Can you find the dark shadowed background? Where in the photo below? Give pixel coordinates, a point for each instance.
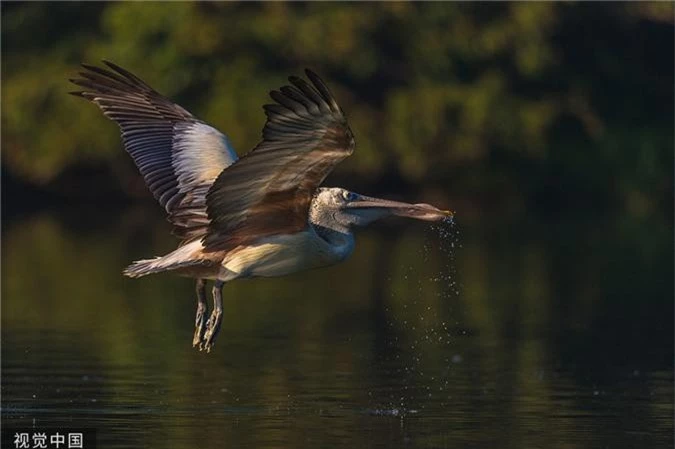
(542, 318)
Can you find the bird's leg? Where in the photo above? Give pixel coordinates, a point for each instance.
(213, 325)
(200, 319)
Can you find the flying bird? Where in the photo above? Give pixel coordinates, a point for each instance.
(260, 215)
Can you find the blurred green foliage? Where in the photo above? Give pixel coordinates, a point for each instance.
(547, 97)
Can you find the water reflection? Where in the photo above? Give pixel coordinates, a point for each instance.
(555, 336)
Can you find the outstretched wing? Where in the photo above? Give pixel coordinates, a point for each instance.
(268, 191)
(178, 155)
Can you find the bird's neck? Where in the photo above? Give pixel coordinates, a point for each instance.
(341, 243)
(328, 226)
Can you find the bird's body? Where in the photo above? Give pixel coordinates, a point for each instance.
(271, 256)
(285, 254)
(263, 215)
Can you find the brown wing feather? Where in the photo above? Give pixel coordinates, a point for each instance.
(268, 191)
(178, 155)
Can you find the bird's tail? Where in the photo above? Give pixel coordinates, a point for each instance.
(158, 265)
(144, 267)
(185, 256)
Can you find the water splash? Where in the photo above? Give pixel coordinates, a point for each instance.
(449, 243)
(391, 412)
(425, 354)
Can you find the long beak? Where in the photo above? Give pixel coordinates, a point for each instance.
(420, 211)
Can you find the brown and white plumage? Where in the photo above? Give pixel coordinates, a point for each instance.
(261, 215)
(178, 155)
(269, 190)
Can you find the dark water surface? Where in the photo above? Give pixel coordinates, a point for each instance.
(526, 336)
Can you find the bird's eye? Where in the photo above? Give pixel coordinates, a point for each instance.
(348, 196)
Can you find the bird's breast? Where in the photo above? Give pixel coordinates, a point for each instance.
(284, 254)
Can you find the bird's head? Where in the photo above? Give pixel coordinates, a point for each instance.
(340, 209)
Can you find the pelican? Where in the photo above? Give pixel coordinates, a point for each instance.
(261, 215)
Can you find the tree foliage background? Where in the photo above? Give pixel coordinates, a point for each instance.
(535, 102)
